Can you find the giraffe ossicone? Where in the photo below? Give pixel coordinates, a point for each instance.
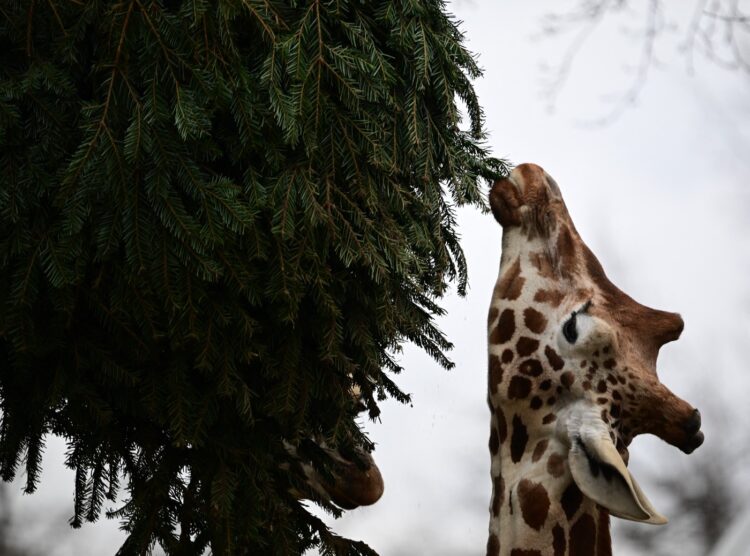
(571, 380)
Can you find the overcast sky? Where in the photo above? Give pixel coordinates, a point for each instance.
(661, 195)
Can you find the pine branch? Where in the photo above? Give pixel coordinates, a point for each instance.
(212, 226)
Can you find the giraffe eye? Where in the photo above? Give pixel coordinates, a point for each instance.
(570, 330)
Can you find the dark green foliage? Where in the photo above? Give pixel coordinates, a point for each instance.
(215, 218)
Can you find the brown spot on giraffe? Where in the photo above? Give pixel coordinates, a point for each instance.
(535, 403)
(492, 315)
(567, 379)
(519, 388)
(583, 536)
(524, 552)
(506, 326)
(526, 346)
(559, 544)
(534, 320)
(556, 465)
(493, 545)
(498, 495)
(550, 297)
(494, 443)
(495, 374)
(511, 284)
(539, 449)
(542, 264)
(518, 439)
(507, 356)
(571, 500)
(532, 367)
(603, 538)
(566, 252)
(534, 502)
(554, 359)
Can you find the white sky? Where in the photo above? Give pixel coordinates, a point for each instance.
(662, 196)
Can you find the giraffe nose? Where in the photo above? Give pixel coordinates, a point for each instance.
(671, 418)
(694, 434)
(693, 424)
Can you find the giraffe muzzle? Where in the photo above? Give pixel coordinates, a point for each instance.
(671, 418)
(355, 486)
(684, 434)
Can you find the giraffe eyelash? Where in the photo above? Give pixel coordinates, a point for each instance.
(570, 330)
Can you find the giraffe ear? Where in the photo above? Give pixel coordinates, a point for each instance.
(598, 469)
(600, 473)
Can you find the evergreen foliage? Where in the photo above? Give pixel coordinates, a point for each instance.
(215, 219)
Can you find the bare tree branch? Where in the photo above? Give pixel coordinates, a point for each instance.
(653, 26)
(589, 16)
(718, 31)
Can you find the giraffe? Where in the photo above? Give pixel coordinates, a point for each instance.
(571, 380)
(355, 479)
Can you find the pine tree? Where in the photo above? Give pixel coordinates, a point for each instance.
(215, 219)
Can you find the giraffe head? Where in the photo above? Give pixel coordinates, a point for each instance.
(354, 479)
(572, 356)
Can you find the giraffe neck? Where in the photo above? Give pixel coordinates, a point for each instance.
(536, 507)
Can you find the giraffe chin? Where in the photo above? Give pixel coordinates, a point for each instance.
(599, 470)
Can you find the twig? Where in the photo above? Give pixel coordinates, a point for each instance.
(654, 24)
